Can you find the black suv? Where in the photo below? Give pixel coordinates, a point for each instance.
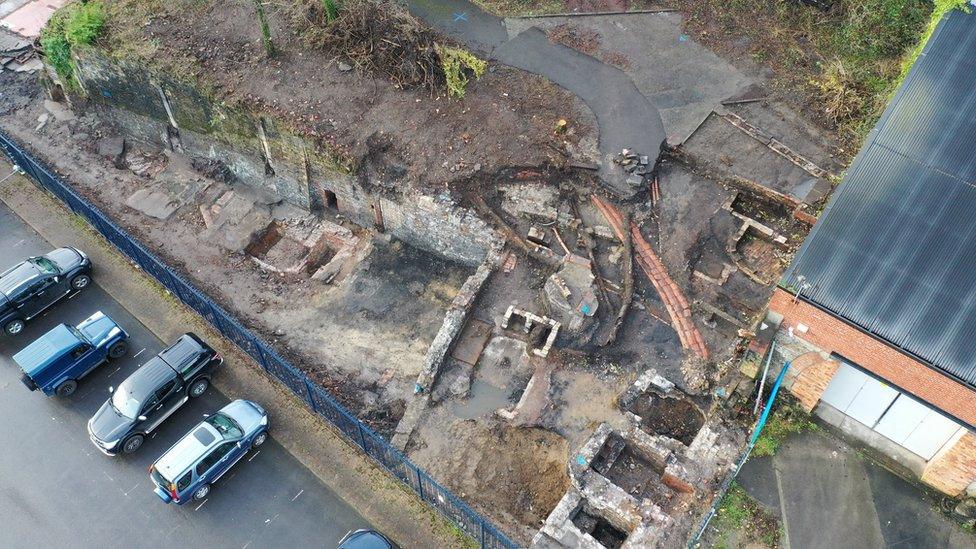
(33, 285)
(151, 394)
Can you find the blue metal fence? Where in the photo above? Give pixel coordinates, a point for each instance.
(317, 398)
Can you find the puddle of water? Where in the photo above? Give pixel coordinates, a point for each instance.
(484, 399)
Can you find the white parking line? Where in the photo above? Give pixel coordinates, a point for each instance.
(107, 475)
(254, 456)
(270, 520)
(139, 353)
(201, 505)
(131, 490)
(114, 371)
(298, 494)
(19, 242)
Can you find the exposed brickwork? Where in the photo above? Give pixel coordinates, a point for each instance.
(834, 335)
(952, 471)
(811, 373)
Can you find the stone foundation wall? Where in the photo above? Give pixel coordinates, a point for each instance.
(266, 155)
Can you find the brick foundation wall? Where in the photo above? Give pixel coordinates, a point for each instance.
(810, 374)
(953, 470)
(834, 335)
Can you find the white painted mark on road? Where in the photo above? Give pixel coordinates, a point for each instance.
(139, 353)
(298, 494)
(268, 521)
(254, 456)
(107, 475)
(131, 490)
(201, 505)
(245, 545)
(19, 242)
(114, 371)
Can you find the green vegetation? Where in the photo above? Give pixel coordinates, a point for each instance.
(265, 28)
(75, 26)
(941, 8)
(740, 521)
(331, 9)
(457, 63)
(847, 61)
(785, 420)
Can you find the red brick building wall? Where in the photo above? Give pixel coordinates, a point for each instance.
(953, 470)
(810, 374)
(834, 335)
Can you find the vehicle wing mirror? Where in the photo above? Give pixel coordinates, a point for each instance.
(111, 389)
(142, 418)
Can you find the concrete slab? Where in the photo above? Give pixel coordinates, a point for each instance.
(30, 18)
(153, 202)
(831, 496)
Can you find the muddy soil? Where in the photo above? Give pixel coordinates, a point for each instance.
(506, 118)
(677, 418)
(516, 475)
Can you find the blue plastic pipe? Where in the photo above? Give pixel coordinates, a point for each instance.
(769, 405)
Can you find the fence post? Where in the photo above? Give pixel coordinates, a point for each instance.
(362, 439)
(420, 484)
(308, 389)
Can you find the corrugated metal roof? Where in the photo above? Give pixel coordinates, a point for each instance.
(895, 250)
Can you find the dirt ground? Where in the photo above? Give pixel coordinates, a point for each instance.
(514, 474)
(506, 118)
(493, 145)
(385, 312)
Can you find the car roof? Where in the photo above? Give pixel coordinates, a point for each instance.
(46, 349)
(366, 539)
(147, 378)
(180, 354)
(18, 276)
(187, 451)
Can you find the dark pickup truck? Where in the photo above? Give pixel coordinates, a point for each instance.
(33, 285)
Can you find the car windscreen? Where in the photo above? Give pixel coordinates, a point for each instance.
(128, 398)
(227, 427)
(45, 265)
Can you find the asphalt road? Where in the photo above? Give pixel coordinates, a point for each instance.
(57, 489)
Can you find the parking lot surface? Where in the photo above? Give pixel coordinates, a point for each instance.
(56, 488)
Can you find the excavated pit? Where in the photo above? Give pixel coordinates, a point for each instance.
(673, 417)
(599, 528)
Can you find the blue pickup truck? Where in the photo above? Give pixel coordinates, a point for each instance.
(56, 361)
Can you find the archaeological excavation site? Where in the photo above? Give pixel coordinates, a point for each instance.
(529, 252)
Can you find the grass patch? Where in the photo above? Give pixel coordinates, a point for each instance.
(786, 419)
(845, 62)
(741, 521)
(74, 26)
(457, 64)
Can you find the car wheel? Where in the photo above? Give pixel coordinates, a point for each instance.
(14, 327)
(118, 350)
(201, 492)
(132, 444)
(67, 388)
(80, 282)
(199, 387)
(259, 440)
